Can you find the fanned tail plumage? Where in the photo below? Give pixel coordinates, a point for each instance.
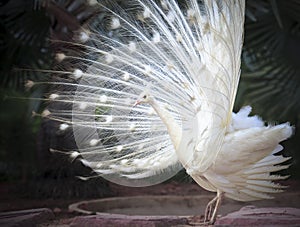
(190, 57)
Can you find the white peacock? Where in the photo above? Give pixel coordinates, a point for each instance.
(160, 97)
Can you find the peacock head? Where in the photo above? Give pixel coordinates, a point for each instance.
(144, 97)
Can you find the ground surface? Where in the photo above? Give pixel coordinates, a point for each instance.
(11, 201)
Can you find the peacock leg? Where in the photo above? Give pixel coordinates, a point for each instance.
(208, 209)
(212, 208)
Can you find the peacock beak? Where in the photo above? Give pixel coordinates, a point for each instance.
(137, 102)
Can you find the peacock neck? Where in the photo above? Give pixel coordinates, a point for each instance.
(174, 130)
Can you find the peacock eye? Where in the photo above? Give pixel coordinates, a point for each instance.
(145, 96)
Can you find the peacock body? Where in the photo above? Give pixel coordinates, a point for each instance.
(159, 97)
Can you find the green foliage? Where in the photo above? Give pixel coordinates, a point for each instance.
(270, 77)
(18, 137)
(24, 27)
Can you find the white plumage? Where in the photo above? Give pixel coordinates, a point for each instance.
(183, 62)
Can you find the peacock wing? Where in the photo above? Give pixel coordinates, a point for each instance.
(216, 72)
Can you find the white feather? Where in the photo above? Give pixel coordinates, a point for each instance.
(188, 60)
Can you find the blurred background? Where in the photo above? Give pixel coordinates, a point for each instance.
(269, 83)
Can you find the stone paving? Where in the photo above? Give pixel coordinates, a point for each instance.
(246, 216)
